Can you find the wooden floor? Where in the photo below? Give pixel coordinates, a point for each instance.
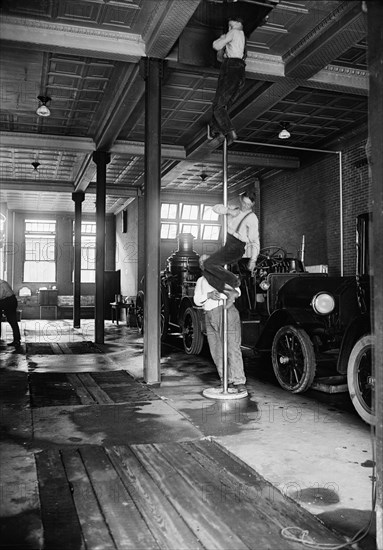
(180, 496)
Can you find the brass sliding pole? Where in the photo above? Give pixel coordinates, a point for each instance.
(224, 310)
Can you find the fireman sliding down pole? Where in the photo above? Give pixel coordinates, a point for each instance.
(224, 392)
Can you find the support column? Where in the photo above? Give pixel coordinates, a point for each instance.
(78, 198)
(152, 72)
(101, 158)
(375, 122)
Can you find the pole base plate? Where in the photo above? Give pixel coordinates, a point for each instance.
(218, 393)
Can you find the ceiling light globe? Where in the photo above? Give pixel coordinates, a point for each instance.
(43, 111)
(284, 134)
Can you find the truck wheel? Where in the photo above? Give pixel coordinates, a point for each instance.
(140, 311)
(293, 359)
(191, 332)
(359, 378)
(164, 312)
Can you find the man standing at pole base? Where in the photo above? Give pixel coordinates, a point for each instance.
(212, 303)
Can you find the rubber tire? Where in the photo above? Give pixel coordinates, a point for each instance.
(308, 363)
(362, 347)
(164, 313)
(192, 336)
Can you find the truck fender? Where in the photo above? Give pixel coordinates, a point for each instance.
(280, 318)
(358, 327)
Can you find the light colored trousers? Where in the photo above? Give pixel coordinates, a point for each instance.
(214, 334)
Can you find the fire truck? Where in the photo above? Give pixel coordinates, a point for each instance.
(302, 320)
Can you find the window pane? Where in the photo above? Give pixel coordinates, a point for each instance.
(88, 228)
(40, 226)
(168, 231)
(189, 212)
(39, 272)
(169, 211)
(211, 232)
(88, 276)
(187, 228)
(209, 214)
(40, 248)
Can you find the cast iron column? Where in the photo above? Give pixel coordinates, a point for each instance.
(101, 158)
(78, 199)
(151, 70)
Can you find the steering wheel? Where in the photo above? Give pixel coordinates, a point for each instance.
(270, 257)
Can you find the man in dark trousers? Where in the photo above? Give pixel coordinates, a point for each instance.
(242, 240)
(8, 305)
(231, 49)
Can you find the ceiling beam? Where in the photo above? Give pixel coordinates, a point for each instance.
(341, 79)
(51, 186)
(167, 23)
(22, 140)
(340, 30)
(119, 102)
(85, 174)
(74, 39)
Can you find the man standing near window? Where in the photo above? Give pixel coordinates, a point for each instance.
(8, 305)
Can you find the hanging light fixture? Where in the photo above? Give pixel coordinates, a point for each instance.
(284, 133)
(203, 175)
(42, 109)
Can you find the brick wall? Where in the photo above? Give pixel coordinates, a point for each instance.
(307, 202)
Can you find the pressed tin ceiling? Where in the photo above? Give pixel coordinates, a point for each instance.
(306, 68)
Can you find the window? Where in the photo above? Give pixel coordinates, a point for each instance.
(169, 211)
(210, 232)
(169, 230)
(189, 212)
(208, 214)
(88, 252)
(189, 218)
(188, 228)
(40, 251)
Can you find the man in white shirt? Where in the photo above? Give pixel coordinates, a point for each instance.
(8, 304)
(242, 236)
(231, 52)
(212, 303)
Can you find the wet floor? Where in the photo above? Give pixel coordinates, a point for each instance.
(59, 392)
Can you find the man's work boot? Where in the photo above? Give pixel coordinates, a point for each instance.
(231, 137)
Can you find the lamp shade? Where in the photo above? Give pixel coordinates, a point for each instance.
(43, 110)
(284, 134)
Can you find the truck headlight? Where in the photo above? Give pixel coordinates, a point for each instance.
(264, 285)
(323, 303)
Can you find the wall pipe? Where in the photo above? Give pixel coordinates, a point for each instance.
(341, 214)
(13, 249)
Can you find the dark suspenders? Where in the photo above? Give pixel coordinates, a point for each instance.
(241, 222)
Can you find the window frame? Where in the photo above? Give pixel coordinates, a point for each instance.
(199, 221)
(32, 236)
(84, 235)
